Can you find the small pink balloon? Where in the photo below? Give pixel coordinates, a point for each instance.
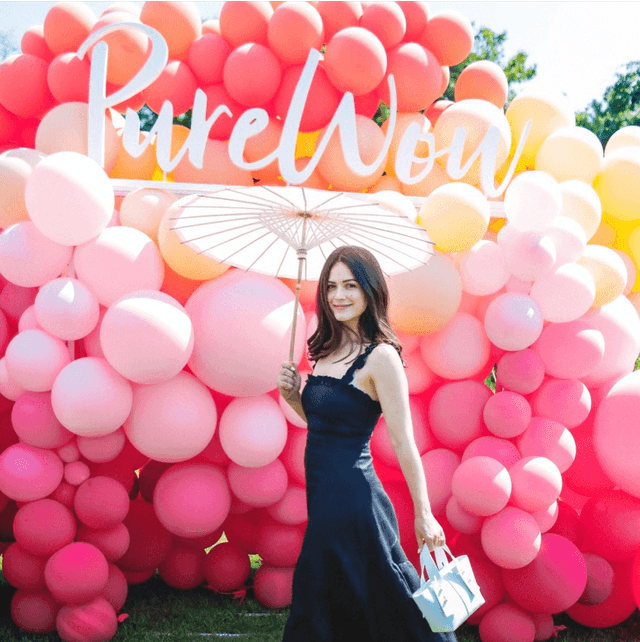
(507, 622)
(28, 473)
(87, 619)
(34, 610)
(439, 466)
(565, 400)
(192, 500)
(511, 538)
(547, 438)
(501, 450)
(34, 359)
(481, 485)
(29, 258)
(104, 448)
(44, 526)
(69, 452)
(35, 423)
(273, 586)
(291, 508)
(226, 567)
(507, 414)
(90, 398)
(101, 502)
(258, 487)
(463, 521)
(76, 473)
(22, 569)
(529, 255)
(67, 309)
(28, 320)
(536, 483)
(113, 542)
(547, 517)
(521, 371)
(599, 580)
(513, 321)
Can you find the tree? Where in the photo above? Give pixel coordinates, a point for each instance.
(620, 105)
(7, 45)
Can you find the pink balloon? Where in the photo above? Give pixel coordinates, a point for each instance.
(172, 421)
(463, 521)
(439, 467)
(35, 423)
(536, 483)
(547, 517)
(245, 22)
(599, 580)
(113, 542)
(501, 450)
(553, 581)
(240, 530)
(94, 620)
(278, 544)
(570, 350)
(565, 400)
(192, 500)
(586, 476)
(8, 387)
(119, 261)
(507, 414)
(231, 311)
(23, 86)
(385, 20)
(116, 588)
(521, 371)
(34, 359)
(34, 610)
(217, 95)
(481, 485)
(76, 573)
(291, 509)
(28, 473)
(293, 30)
(104, 448)
(226, 567)
(176, 84)
(101, 502)
(69, 198)
(511, 538)
(455, 412)
(14, 300)
(44, 526)
(69, 452)
(67, 309)
(507, 623)
(90, 398)
(532, 201)
(22, 569)
(483, 268)
(449, 35)
(252, 75)
(28, 320)
(529, 255)
(64, 494)
(273, 586)
(513, 321)
(183, 567)
(547, 438)
(293, 454)
(258, 487)
(76, 473)
(206, 58)
(29, 258)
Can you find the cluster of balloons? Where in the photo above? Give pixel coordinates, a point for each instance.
(123, 350)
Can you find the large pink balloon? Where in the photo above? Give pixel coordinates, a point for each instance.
(481, 485)
(567, 401)
(513, 321)
(521, 371)
(90, 398)
(35, 423)
(253, 313)
(501, 450)
(206, 58)
(44, 526)
(101, 502)
(507, 414)
(28, 473)
(192, 500)
(258, 487)
(507, 623)
(91, 620)
(113, 542)
(547, 438)
(172, 421)
(69, 198)
(176, 84)
(22, 569)
(536, 483)
(278, 544)
(147, 336)
(511, 538)
(253, 431)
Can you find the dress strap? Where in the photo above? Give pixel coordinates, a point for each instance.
(358, 363)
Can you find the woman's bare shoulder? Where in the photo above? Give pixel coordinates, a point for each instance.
(385, 356)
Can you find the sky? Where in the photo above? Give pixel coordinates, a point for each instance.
(578, 46)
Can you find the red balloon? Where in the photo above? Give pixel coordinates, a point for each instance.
(241, 530)
(65, 494)
(90, 622)
(33, 43)
(435, 110)
(337, 15)
(599, 580)
(176, 84)
(44, 527)
(115, 590)
(252, 75)
(183, 567)
(7, 516)
(278, 544)
(227, 567)
(217, 95)
(132, 456)
(242, 22)
(148, 477)
(118, 469)
(206, 57)
(23, 569)
(367, 104)
(273, 586)
(113, 542)
(138, 577)
(635, 577)
(101, 502)
(34, 610)
(204, 542)
(8, 125)
(23, 86)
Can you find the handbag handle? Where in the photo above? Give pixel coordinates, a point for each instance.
(426, 561)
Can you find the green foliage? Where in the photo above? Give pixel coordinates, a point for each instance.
(489, 45)
(620, 105)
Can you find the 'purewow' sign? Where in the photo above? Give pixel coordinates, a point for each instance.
(253, 121)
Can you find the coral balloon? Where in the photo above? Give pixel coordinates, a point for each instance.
(293, 30)
(67, 25)
(242, 22)
(482, 79)
(339, 15)
(449, 35)
(206, 58)
(176, 83)
(23, 86)
(178, 22)
(33, 43)
(252, 75)
(386, 20)
(68, 78)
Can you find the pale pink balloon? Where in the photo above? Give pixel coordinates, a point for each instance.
(69, 198)
(502, 450)
(119, 261)
(566, 400)
(508, 622)
(455, 412)
(104, 448)
(28, 473)
(292, 508)
(8, 387)
(28, 320)
(253, 313)
(34, 421)
(67, 309)
(565, 293)
(521, 371)
(532, 201)
(547, 517)
(29, 258)
(463, 521)
(90, 398)
(548, 438)
(529, 255)
(34, 359)
(516, 285)
(92, 344)
(458, 351)
(147, 336)
(511, 538)
(507, 414)
(570, 350)
(76, 473)
(481, 485)
(172, 421)
(513, 321)
(439, 467)
(536, 483)
(253, 431)
(483, 268)
(258, 487)
(192, 499)
(569, 239)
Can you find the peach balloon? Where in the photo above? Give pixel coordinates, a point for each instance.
(483, 79)
(242, 22)
(439, 466)
(333, 166)
(481, 485)
(507, 414)
(608, 271)
(632, 271)
(127, 166)
(435, 178)
(501, 450)
(483, 268)
(23, 86)
(172, 421)
(628, 136)
(385, 183)
(258, 487)
(513, 321)
(435, 110)
(548, 438)
(178, 22)
(293, 30)
(117, 262)
(449, 35)
(536, 483)
(511, 538)
(339, 15)
(567, 401)
(252, 75)
(144, 208)
(177, 84)
(68, 78)
(355, 61)
(581, 203)
(217, 168)
(147, 336)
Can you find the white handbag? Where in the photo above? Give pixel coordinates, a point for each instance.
(451, 593)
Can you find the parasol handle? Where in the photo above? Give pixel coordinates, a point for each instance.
(301, 260)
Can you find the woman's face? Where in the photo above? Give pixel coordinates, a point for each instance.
(345, 296)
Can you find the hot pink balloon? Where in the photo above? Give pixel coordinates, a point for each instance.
(507, 623)
(116, 588)
(501, 450)
(183, 567)
(481, 485)
(22, 569)
(76, 473)
(521, 371)
(28, 473)
(113, 542)
(252, 75)
(439, 467)
(293, 454)
(101, 502)
(511, 538)
(93, 620)
(585, 476)
(43, 527)
(35, 423)
(226, 567)
(536, 483)
(507, 414)
(258, 487)
(34, 610)
(513, 321)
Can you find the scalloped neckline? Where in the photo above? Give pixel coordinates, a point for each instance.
(341, 380)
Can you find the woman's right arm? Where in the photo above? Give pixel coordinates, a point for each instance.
(289, 383)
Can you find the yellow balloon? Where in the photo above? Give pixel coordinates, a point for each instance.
(581, 203)
(608, 271)
(605, 235)
(618, 184)
(306, 143)
(456, 216)
(159, 175)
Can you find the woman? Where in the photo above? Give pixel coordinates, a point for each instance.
(353, 582)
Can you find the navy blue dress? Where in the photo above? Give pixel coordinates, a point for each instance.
(352, 582)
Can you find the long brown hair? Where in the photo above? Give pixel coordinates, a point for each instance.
(373, 324)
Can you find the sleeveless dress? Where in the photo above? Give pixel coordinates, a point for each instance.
(352, 582)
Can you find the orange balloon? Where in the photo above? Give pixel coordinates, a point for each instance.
(434, 179)
(140, 168)
(339, 15)
(67, 25)
(176, 84)
(178, 286)
(178, 22)
(386, 183)
(33, 43)
(242, 22)
(417, 15)
(294, 29)
(261, 145)
(483, 79)
(252, 75)
(449, 36)
(68, 78)
(315, 180)
(217, 168)
(386, 20)
(367, 104)
(207, 56)
(333, 167)
(446, 76)
(23, 86)
(144, 208)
